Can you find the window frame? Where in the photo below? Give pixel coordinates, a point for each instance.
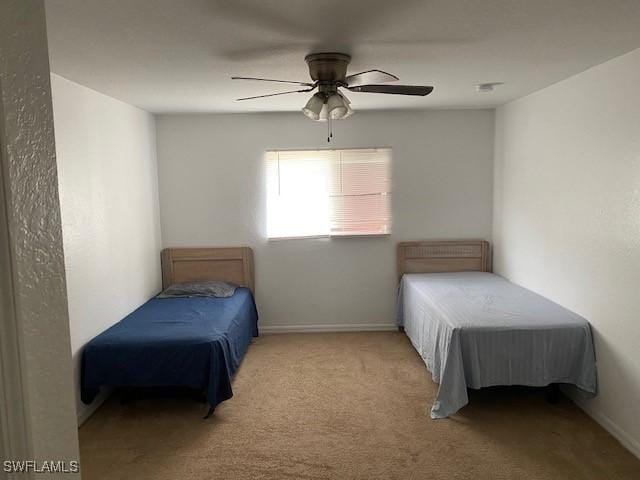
(328, 236)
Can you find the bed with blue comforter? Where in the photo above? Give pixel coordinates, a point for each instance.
(194, 342)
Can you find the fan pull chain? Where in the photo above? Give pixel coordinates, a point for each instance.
(329, 130)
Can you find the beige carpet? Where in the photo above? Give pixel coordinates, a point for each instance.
(347, 406)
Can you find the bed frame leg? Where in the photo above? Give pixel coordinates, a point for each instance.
(553, 393)
(400, 328)
(210, 412)
(126, 396)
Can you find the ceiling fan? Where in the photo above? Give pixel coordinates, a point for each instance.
(329, 73)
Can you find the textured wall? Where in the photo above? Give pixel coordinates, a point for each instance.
(567, 217)
(106, 153)
(35, 238)
(212, 192)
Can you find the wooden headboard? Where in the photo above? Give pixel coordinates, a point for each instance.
(233, 265)
(433, 256)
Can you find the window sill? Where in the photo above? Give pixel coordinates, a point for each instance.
(307, 237)
(362, 235)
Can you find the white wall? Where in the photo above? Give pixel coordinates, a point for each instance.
(212, 192)
(110, 218)
(567, 217)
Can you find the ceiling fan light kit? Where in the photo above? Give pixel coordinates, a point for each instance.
(329, 73)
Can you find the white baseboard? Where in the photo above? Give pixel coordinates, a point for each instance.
(621, 435)
(340, 327)
(87, 410)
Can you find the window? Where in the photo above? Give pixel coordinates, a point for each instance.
(328, 192)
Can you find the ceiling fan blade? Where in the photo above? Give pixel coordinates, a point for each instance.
(417, 90)
(275, 94)
(369, 77)
(305, 84)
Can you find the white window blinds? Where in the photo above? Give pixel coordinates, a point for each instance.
(328, 192)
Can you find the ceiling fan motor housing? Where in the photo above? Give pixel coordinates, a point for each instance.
(328, 68)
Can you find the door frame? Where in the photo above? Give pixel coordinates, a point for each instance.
(14, 441)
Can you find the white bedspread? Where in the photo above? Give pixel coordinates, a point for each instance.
(476, 329)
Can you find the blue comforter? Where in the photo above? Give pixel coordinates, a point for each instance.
(189, 342)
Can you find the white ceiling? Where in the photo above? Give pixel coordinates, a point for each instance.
(177, 56)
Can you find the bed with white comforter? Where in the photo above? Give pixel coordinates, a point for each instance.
(477, 329)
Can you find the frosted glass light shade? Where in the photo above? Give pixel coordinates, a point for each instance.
(337, 107)
(348, 104)
(314, 106)
(324, 113)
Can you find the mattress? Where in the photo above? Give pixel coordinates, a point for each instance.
(185, 342)
(476, 329)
